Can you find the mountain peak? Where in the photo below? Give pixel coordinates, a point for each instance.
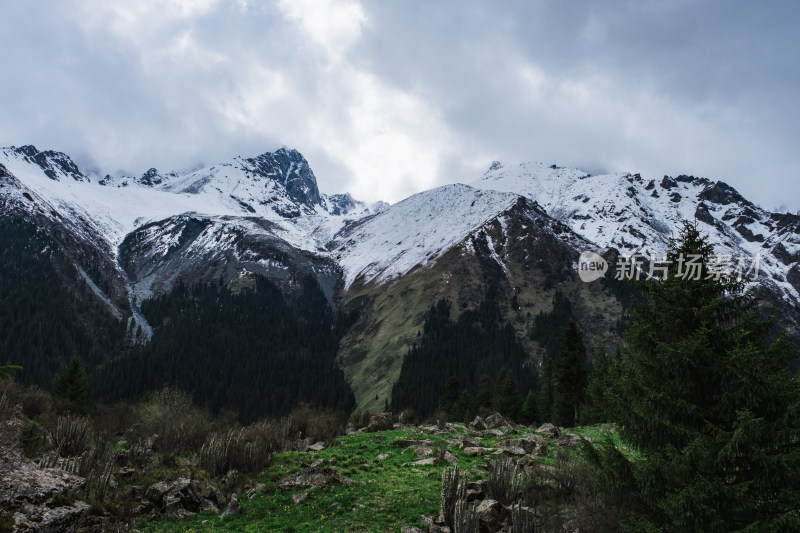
(55, 165)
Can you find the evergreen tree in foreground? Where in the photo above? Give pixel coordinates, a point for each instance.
(569, 377)
(72, 385)
(705, 395)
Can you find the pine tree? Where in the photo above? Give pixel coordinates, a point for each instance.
(547, 394)
(599, 386)
(569, 377)
(705, 396)
(460, 410)
(483, 399)
(507, 400)
(530, 410)
(72, 385)
(452, 389)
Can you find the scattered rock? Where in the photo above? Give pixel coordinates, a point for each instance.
(383, 456)
(496, 421)
(478, 424)
(316, 447)
(549, 430)
(258, 489)
(476, 490)
(314, 477)
(233, 508)
(510, 450)
(489, 514)
(411, 529)
(183, 497)
(430, 461)
(230, 478)
(423, 451)
(494, 432)
(568, 440)
(532, 444)
(425, 519)
(300, 496)
(476, 450)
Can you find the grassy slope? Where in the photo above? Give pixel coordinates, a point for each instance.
(372, 352)
(385, 494)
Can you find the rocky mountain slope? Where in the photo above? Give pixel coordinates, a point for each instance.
(517, 229)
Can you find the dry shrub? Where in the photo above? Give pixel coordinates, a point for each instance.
(36, 402)
(113, 421)
(360, 418)
(10, 396)
(95, 465)
(243, 449)
(316, 424)
(69, 435)
(173, 422)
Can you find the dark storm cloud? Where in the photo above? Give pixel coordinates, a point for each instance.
(387, 98)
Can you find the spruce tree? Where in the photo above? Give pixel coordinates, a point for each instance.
(705, 396)
(569, 377)
(599, 386)
(72, 385)
(547, 394)
(530, 410)
(507, 400)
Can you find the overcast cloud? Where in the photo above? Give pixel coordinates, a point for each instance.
(388, 98)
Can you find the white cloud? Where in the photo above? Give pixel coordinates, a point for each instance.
(386, 99)
(332, 24)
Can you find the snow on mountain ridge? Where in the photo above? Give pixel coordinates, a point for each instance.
(635, 215)
(278, 186)
(414, 231)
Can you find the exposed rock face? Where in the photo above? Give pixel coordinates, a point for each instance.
(183, 497)
(40, 499)
(496, 421)
(490, 514)
(478, 424)
(233, 508)
(549, 430)
(314, 477)
(530, 444)
(291, 169)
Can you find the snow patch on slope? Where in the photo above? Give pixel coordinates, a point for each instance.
(415, 231)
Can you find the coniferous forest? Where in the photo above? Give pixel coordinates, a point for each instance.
(472, 348)
(43, 323)
(257, 352)
(699, 402)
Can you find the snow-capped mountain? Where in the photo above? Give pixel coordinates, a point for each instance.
(638, 216)
(517, 230)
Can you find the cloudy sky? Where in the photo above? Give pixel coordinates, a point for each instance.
(390, 97)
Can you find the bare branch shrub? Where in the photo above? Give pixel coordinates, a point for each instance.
(69, 435)
(506, 481)
(236, 449)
